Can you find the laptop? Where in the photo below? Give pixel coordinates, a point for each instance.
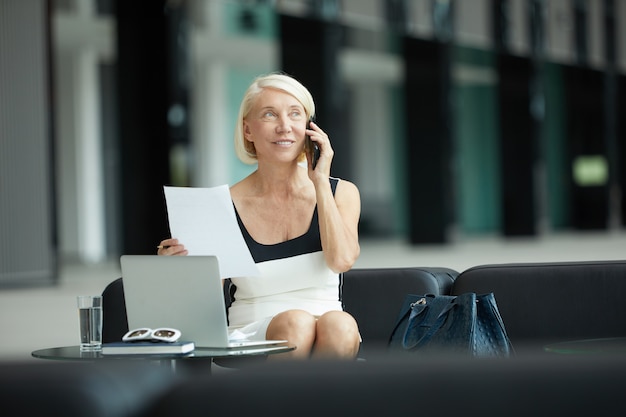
(182, 292)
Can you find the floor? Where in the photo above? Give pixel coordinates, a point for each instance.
(35, 318)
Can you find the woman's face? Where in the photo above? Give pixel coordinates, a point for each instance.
(276, 126)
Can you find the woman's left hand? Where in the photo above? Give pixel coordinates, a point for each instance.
(319, 137)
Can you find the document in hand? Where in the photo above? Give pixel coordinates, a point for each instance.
(203, 219)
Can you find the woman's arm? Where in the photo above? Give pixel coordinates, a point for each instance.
(339, 221)
(338, 214)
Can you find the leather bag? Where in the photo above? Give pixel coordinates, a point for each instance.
(467, 324)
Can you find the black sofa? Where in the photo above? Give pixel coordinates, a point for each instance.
(540, 303)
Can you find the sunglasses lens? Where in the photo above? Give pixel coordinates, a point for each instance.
(164, 333)
(135, 335)
(138, 333)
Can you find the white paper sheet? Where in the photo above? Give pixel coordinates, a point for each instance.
(203, 219)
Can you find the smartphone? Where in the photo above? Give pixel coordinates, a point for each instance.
(314, 150)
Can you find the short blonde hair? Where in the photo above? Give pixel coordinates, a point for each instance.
(244, 149)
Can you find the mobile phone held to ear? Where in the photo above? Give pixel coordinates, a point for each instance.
(314, 150)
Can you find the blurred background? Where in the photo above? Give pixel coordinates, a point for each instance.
(478, 131)
(456, 119)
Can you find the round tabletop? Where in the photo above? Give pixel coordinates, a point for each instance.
(74, 353)
(612, 345)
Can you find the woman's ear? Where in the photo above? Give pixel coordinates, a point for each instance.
(246, 132)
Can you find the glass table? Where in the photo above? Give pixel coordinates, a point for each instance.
(612, 346)
(200, 354)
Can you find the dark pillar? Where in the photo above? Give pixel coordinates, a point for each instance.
(586, 130)
(586, 133)
(517, 145)
(429, 129)
(178, 73)
(146, 70)
(428, 135)
(309, 49)
(517, 131)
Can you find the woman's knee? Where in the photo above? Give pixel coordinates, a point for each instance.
(292, 323)
(338, 334)
(298, 328)
(337, 323)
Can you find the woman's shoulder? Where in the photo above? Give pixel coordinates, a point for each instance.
(345, 188)
(336, 181)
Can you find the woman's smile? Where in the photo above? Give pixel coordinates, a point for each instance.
(286, 143)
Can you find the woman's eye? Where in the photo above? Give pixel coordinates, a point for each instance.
(268, 115)
(296, 114)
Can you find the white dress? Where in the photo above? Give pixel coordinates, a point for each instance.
(294, 275)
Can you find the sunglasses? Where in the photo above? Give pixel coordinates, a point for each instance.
(155, 335)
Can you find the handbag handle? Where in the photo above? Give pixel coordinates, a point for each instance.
(436, 310)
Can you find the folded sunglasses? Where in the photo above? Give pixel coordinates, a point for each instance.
(145, 334)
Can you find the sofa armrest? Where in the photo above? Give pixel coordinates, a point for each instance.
(374, 297)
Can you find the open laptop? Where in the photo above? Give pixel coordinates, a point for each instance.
(182, 292)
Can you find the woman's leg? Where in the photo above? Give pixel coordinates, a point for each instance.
(296, 326)
(337, 336)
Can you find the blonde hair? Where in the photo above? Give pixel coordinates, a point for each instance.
(244, 149)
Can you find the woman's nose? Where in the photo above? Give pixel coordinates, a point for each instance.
(284, 124)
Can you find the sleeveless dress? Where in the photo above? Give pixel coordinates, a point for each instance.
(294, 275)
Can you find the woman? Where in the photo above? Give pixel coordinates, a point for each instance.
(300, 224)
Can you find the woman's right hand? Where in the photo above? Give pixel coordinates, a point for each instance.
(171, 247)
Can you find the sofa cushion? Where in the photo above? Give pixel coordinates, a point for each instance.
(548, 302)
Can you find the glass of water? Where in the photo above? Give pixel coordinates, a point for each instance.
(90, 321)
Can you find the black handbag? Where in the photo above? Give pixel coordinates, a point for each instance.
(466, 324)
